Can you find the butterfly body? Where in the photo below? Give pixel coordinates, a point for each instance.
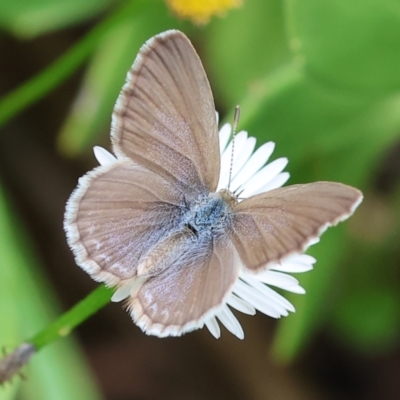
(210, 214)
(195, 225)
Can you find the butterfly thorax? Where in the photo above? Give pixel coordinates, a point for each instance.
(209, 214)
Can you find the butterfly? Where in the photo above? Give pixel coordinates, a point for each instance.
(153, 222)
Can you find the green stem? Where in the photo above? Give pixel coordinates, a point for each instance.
(47, 80)
(72, 318)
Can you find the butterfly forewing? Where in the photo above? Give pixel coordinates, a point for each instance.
(165, 119)
(116, 215)
(270, 226)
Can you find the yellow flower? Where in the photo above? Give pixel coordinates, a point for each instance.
(200, 11)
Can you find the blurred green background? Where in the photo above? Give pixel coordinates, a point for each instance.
(321, 79)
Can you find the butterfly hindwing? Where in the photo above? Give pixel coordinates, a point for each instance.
(116, 214)
(177, 299)
(273, 225)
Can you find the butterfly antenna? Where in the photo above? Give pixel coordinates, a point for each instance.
(235, 124)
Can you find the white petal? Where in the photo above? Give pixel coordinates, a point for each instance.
(292, 268)
(302, 259)
(264, 176)
(256, 161)
(129, 289)
(295, 289)
(295, 264)
(276, 298)
(277, 279)
(240, 140)
(224, 135)
(240, 305)
(259, 288)
(103, 156)
(312, 242)
(242, 155)
(231, 323)
(275, 183)
(242, 160)
(213, 327)
(121, 293)
(255, 298)
(280, 280)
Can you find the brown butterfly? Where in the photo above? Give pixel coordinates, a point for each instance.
(153, 223)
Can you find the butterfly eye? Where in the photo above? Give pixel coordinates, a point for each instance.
(193, 230)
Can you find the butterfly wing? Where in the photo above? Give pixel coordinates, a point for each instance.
(270, 226)
(115, 215)
(179, 298)
(165, 119)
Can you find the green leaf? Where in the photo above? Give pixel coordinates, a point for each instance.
(29, 18)
(244, 46)
(326, 134)
(348, 44)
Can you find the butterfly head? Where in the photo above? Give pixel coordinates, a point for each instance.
(230, 198)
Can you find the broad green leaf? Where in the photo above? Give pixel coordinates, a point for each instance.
(245, 45)
(28, 18)
(351, 45)
(325, 135)
(27, 305)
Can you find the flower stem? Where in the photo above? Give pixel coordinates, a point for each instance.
(42, 83)
(72, 318)
(12, 363)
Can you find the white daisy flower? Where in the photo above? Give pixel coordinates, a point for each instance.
(252, 291)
